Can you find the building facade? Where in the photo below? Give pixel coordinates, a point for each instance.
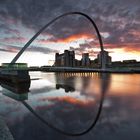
(66, 59)
(104, 59)
(85, 61)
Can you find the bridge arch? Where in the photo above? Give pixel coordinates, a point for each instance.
(48, 24)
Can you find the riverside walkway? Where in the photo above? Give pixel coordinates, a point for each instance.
(5, 133)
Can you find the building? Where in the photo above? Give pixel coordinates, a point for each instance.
(126, 63)
(104, 59)
(66, 59)
(85, 61)
(130, 61)
(77, 63)
(94, 63)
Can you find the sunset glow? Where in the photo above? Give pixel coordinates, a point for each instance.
(120, 33)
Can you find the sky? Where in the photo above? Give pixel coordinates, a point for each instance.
(118, 22)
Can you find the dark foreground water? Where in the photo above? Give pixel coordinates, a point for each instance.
(70, 102)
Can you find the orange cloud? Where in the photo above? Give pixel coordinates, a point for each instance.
(68, 39)
(126, 46)
(76, 37)
(72, 100)
(132, 47)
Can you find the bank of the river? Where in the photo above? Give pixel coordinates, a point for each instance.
(79, 69)
(76, 69)
(5, 133)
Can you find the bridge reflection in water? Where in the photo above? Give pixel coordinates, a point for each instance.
(75, 111)
(68, 82)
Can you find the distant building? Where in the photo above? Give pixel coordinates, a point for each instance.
(85, 61)
(106, 58)
(129, 61)
(94, 63)
(126, 63)
(77, 63)
(66, 59)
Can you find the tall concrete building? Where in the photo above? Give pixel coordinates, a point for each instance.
(104, 59)
(66, 59)
(85, 61)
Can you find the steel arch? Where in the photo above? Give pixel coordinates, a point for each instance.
(48, 24)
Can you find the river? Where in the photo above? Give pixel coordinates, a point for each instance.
(70, 102)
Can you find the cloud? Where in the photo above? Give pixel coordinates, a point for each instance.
(16, 49)
(120, 19)
(5, 50)
(13, 40)
(41, 49)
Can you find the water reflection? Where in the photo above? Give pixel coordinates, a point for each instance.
(105, 82)
(76, 111)
(67, 81)
(64, 80)
(17, 91)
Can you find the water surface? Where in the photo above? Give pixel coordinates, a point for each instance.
(70, 102)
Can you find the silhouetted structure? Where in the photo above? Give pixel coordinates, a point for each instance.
(104, 58)
(15, 77)
(77, 63)
(126, 63)
(129, 61)
(65, 82)
(65, 59)
(51, 22)
(85, 59)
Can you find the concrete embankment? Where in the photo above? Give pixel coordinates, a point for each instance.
(5, 133)
(79, 69)
(73, 69)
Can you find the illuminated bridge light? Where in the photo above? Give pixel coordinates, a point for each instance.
(15, 65)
